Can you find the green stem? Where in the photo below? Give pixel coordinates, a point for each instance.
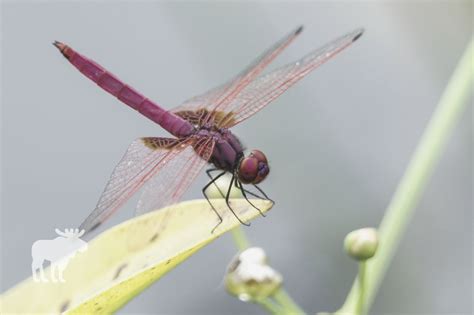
(410, 188)
(269, 306)
(239, 238)
(284, 299)
(361, 279)
(286, 305)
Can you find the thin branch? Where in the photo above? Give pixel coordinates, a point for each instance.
(411, 186)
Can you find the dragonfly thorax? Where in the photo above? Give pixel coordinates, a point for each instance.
(228, 150)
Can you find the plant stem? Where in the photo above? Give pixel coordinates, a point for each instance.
(285, 302)
(361, 279)
(269, 305)
(239, 238)
(282, 297)
(414, 180)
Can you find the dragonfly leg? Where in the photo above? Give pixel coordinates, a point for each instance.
(208, 172)
(228, 204)
(265, 197)
(244, 191)
(263, 193)
(253, 194)
(207, 198)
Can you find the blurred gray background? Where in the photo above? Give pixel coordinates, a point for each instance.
(338, 142)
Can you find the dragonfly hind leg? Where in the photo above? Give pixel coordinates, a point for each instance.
(213, 180)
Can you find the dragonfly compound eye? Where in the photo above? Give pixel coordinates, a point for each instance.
(259, 155)
(253, 168)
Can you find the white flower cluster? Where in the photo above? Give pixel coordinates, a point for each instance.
(249, 277)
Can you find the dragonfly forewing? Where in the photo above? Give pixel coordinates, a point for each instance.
(242, 98)
(217, 97)
(269, 86)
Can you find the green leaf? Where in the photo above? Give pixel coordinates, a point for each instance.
(126, 259)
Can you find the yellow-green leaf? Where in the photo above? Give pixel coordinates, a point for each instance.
(124, 260)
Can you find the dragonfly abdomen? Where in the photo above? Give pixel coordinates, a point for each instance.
(107, 81)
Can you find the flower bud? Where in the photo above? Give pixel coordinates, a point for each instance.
(249, 277)
(361, 244)
(223, 183)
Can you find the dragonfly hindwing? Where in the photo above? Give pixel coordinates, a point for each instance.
(159, 143)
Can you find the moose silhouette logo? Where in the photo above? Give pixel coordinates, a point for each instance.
(58, 251)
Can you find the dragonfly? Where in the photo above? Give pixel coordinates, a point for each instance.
(163, 168)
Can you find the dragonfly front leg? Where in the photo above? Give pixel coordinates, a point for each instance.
(265, 197)
(239, 185)
(263, 193)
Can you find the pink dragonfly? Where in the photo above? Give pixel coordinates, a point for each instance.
(200, 127)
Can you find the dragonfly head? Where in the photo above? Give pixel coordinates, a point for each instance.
(253, 168)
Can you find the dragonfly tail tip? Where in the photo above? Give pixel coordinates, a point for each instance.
(299, 30)
(58, 45)
(358, 35)
(62, 48)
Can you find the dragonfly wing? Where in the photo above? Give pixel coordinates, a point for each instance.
(267, 87)
(144, 158)
(167, 186)
(197, 116)
(204, 100)
(219, 96)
